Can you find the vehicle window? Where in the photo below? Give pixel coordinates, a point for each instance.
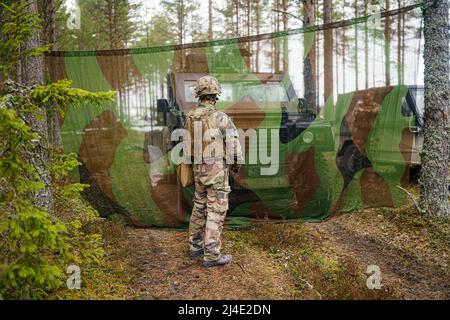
(270, 91)
(189, 91)
(406, 110)
(418, 96)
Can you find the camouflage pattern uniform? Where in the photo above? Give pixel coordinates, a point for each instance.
(211, 185)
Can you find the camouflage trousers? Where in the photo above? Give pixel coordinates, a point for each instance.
(210, 208)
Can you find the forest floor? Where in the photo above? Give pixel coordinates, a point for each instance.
(293, 260)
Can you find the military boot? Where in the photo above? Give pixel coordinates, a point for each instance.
(223, 260)
(195, 254)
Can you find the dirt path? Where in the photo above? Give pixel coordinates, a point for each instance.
(411, 266)
(165, 271)
(410, 273)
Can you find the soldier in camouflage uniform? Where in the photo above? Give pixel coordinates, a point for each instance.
(211, 177)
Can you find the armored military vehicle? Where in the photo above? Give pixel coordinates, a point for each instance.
(351, 153)
(265, 108)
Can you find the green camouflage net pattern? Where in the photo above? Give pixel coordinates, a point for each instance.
(324, 156)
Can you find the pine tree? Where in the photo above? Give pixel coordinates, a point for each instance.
(328, 51)
(356, 49)
(387, 45)
(436, 146)
(31, 73)
(105, 24)
(182, 13)
(309, 63)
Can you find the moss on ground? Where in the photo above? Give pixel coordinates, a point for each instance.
(298, 260)
(112, 278)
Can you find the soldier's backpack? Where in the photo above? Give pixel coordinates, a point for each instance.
(184, 170)
(200, 115)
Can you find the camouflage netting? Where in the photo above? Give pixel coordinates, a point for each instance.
(325, 156)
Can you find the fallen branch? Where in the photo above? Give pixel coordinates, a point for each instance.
(413, 199)
(311, 287)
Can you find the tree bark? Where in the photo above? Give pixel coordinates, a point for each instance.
(328, 52)
(387, 45)
(399, 46)
(47, 9)
(356, 48)
(248, 11)
(436, 147)
(31, 73)
(117, 37)
(111, 23)
(402, 74)
(366, 47)
(237, 17)
(285, 39)
(258, 25)
(309, 63)
(277, 29)
(210, 21)
(48, 12)
(343, 49)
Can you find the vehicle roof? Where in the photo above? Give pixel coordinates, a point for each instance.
(260, 76)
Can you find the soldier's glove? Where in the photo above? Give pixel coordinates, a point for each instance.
(235, 167)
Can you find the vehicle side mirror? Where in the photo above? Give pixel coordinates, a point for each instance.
(162, 105)
(301, 103)
(302, 106)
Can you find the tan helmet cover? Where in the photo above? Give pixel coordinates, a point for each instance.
(207, 85)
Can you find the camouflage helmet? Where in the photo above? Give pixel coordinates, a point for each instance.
(207, 85)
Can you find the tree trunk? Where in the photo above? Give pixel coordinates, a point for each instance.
(285, 39)
(111, 23)
(343, 60)
(47, 9)
(402, 75)
(31, 73)
(399, 47)
(336, 65)
(387, 45)
(436, 147)
(180, 22)
(248, 9)
(48, 12)
(237, 18)
(366, 48)
(117, 37)
(356, 48)
(309, 63)
(258, 22)
(210, 21)
(328, 52)
(343, 49)
(247, 44)
(277, 29)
